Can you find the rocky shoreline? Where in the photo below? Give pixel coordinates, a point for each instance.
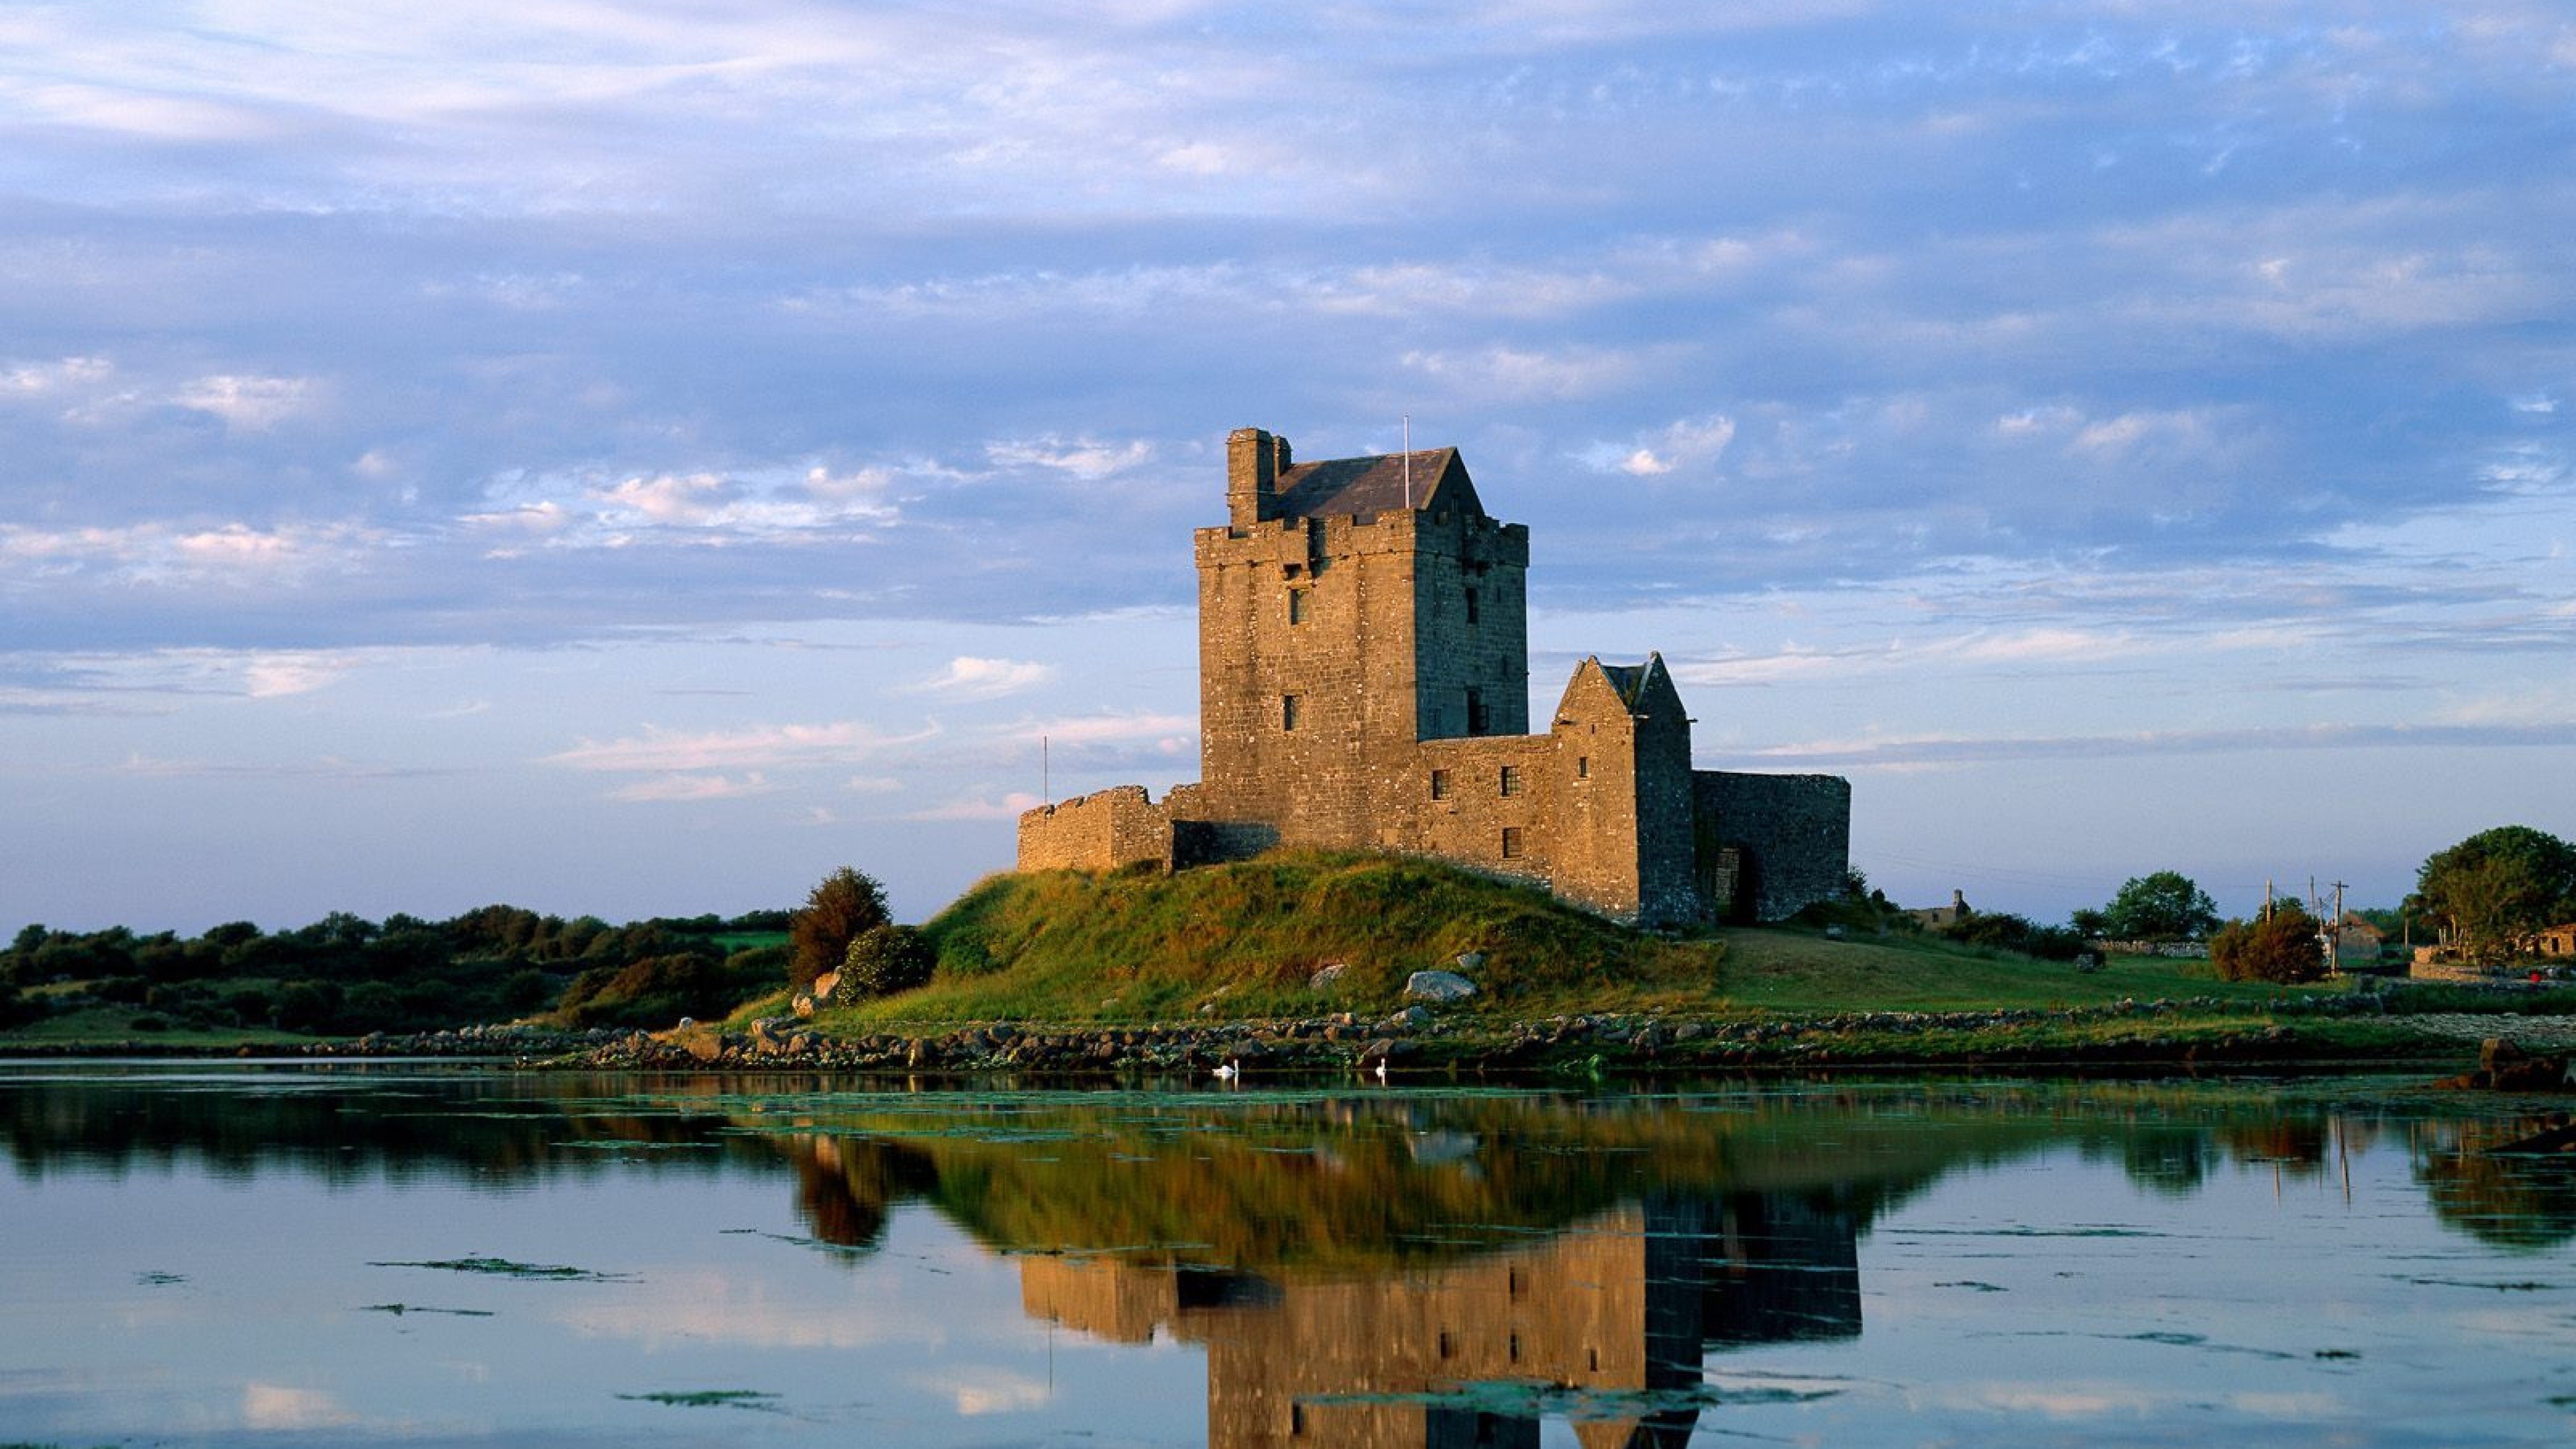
(2129, 1035)
(1417, 1039)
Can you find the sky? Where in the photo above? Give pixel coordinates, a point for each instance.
(632, 457)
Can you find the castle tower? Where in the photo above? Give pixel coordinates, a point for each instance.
(1347, 610)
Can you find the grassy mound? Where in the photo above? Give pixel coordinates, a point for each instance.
(1065, 946)
(1240, 941)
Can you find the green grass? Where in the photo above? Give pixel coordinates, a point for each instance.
(1802, 973)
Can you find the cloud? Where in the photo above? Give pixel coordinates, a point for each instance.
(970, 678)
(1010, 806)
(1945, 750)
(1083, 458)
(1109, 729)
(41, 379)
(659, 751)
(1692, 443)
(1507, 373)
(274, 676)
(247, 403)
(693, 788)
(162, 553)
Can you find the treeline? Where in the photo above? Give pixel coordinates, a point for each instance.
(345, 975)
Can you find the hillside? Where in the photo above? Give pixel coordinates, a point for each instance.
(1242, 941)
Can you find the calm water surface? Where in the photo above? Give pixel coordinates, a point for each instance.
(429, 1255)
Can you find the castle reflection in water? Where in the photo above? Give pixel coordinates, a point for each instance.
(1622, 1306)
(1453, 1338)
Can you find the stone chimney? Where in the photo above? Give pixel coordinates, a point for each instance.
(1253, 462)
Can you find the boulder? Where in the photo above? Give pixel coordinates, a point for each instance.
(1327, 978)
(1470, 960)
(1439, 986)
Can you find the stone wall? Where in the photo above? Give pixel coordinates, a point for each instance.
(1792, 834)
(1466, 816)
(1102, 831)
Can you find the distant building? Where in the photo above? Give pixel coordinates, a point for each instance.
(1364, 684)
(2358, 942)
(2557, 943)
(1942, 918)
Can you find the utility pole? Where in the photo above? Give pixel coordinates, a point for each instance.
(1046, 772)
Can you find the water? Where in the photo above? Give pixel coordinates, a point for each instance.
(361, 1255)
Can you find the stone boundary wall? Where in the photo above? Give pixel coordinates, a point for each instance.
(1793, 833)
(1105, 830)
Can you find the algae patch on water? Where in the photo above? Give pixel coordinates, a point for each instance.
(504, 1268)
(710, 1399)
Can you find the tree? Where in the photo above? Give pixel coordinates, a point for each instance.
(2165, 906)
(2497, 887)
(846, 904)
(2283, 947)
(888, 959)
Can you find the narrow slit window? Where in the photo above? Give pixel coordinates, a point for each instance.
(1297, 606)
(1476, 721)
(1471, 606)
(1440, 784)
(1291, 708)
(1583, 767)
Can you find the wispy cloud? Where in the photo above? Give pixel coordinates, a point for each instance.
(659, 751)
(1009, 806)
(693, 788)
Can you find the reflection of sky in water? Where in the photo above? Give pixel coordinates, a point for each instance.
(2048, 1273)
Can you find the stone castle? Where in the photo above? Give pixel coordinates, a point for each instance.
(1364, 684)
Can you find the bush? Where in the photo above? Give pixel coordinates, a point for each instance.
(2283, 948)
(845, 906)
(887, 959)
(2004, 931)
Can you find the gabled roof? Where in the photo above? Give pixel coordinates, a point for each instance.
(1632, 683)
(1338, 486)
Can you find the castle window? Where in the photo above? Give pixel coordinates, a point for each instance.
(1296, 606)
(1583, 767)
(1477, 723)
(1511, 842)
(1440, 784)
(1471, 606)
(1511, 779)
(1291, 706)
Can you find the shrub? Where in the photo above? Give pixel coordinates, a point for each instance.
(2004, 931)
(843, 907)
(887, 959)
(2283, 948)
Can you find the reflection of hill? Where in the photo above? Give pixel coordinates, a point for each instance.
(1320, 1185)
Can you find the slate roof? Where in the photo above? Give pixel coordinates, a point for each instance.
(1338, 486)
(1630, 679)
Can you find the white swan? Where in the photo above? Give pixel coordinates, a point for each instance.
(1228, 1072)
(1381, 1070)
